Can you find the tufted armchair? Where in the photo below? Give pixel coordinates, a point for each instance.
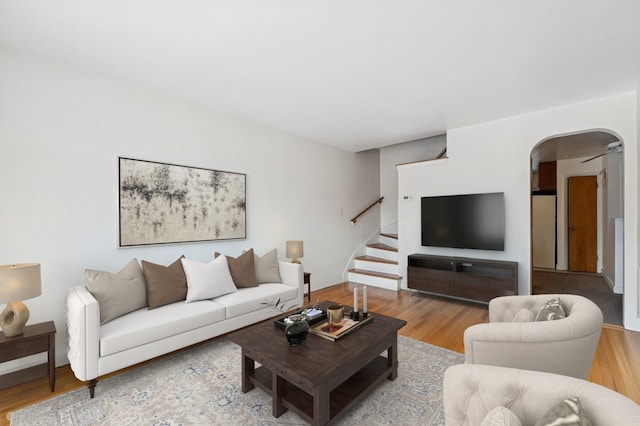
(472, 391)
(564, 346)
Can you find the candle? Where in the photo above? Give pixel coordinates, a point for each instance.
(355, 299)
(364, 300)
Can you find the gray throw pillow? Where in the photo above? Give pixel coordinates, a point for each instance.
(552, 310)
(267, 268)
(567, 413)
(117, 294)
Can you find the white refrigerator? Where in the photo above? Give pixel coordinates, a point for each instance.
(543, 224)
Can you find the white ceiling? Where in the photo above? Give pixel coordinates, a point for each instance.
(355, 74)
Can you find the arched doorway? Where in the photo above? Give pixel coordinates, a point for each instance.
(592, 156)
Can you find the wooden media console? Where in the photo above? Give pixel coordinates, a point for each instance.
(478, 280)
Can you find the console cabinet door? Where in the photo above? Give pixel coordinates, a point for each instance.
(477, 287)
(431, 280)
(484, 281)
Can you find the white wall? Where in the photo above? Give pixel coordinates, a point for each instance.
(390, 157)
(61, 132)
(495, 157)
(613, 203)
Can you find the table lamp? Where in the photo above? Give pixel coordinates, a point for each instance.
(17, 283)
(294, 250)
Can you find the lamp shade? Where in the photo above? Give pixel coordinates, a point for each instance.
(294, 249)
(19, 282)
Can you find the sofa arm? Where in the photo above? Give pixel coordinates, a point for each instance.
(83, 325)
(292, 274)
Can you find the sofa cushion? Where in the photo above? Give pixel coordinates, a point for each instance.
(146, 326)
(267, 268)
(242, 269)
(165, 284)
(120, 293)
(207, 280)
(255, 298)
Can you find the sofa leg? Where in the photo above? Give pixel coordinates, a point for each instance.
(91, 384)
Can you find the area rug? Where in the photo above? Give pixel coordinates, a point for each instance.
(202, 386)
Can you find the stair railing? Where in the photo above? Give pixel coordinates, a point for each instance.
(355, 218)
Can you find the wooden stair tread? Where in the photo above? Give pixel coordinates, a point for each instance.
(376, 259)
(375, 274)
(394, 236)
(382, 247)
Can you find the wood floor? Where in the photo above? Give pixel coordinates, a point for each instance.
(438, 321)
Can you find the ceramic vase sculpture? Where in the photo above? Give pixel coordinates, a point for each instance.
(297, 329)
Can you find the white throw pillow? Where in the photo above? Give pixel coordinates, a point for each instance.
(501, 416)
(207, 280)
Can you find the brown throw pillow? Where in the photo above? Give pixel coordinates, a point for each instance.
(242, 269)
(165, 284)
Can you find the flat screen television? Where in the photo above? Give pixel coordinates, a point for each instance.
(471, 221)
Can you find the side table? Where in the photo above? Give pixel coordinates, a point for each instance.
(36, 338)
(307, 281)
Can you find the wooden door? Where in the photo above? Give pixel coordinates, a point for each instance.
(583, 206)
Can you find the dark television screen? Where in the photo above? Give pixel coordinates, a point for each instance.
(472, 221)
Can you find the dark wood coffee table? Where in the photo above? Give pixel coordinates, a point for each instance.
(319, 380)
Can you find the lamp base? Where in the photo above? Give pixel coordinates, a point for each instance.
(13, 319)
(295, 260)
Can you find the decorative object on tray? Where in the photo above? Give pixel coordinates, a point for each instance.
(278, 304)
(355, 314)
(313, 315)
(332, 333)
(165, 203)
(297, 329)
(335, 317)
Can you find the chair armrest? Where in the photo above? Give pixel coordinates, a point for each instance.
(83, 325)
(562, 346)
(471, 391)
(292, 274)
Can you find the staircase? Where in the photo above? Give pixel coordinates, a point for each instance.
(379, 266)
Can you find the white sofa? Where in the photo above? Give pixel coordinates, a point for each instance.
(96, 350)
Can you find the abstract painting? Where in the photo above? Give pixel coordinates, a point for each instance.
(166, 203)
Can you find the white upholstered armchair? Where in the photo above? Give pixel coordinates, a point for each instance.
(470, 392)
(563, 346)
